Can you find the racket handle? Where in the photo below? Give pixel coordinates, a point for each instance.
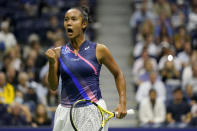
(129, 112)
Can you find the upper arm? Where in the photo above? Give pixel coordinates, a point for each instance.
(105, 57)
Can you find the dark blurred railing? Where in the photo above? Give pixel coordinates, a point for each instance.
(110, 129)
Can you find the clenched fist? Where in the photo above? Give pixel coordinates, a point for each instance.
(51, 55)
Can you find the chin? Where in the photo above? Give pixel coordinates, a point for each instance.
(70, 37)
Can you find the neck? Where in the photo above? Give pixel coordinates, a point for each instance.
(76, 42)
(177, 101)
(152, 102)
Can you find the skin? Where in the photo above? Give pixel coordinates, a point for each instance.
(74, 20)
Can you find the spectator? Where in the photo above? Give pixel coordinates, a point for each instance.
(146, 28)
(180, 39)
(192, 22)
(193, 79)
(11, 75)
(42, 89)
(29, 65)
(193, 122)
(6, 62)
(23, 82)
(138, 18)
(139, 66)
(152, 111)
(189, 95)
(162, 6)
(19, 97)
(7, 39)
(163, 28)
(178, 111)
(42, 94)
(144, 74)
(169, 72)
(19, 115)
(187, 71)
(139, 63)
(184, 56)
(31, 98)
(14, 56)
(170, 76)
(181, 35)
(41, 117)
(54, 32)
(146, 43)
(177, 18)
(40, 59)
(6, 90)
(144, 88)
(169, 55)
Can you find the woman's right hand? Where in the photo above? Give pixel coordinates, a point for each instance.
(51, 55)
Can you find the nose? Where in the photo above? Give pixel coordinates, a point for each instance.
(69, 23)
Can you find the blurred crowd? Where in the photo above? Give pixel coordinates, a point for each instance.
(28, 28)
(164, 37)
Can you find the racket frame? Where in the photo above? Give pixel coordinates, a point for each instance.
(102, 111)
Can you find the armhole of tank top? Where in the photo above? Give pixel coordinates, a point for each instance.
(95, 54)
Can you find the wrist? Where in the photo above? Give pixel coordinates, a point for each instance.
(51, 63)
(122, 101)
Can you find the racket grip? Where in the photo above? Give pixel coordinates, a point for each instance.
(129, 112)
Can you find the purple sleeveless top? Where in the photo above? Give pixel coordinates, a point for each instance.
(79, 74)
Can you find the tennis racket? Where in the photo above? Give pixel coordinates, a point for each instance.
(86, 115)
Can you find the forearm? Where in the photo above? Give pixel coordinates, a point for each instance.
(169, 118)
(27, 114)
(52, 77)
(121, 87)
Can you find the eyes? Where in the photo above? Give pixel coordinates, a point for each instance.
(72, 18)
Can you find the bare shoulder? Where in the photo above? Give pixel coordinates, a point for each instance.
(101, 49)
(101, 52)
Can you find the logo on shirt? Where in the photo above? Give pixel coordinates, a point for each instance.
(87, 48)
(65, 51)
(73, 59)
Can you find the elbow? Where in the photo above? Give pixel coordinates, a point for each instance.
(53, 86)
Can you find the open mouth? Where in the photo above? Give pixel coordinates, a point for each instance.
(70, 31)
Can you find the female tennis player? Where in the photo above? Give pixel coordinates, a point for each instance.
(78, 64)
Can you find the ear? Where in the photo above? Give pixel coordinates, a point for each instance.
(84, 24)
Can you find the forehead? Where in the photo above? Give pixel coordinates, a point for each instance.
(73, 12)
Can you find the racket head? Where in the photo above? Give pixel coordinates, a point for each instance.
(86, 116)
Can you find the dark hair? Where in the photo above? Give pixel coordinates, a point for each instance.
(85, 14)
(177, 90)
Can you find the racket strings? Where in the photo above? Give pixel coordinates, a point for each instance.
(87, 118)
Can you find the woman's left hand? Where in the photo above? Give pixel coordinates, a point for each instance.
(121, 110)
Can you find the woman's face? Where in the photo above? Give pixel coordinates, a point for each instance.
(41, 110)
(73, 23)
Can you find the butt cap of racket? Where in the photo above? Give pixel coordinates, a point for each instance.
(130, 112)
